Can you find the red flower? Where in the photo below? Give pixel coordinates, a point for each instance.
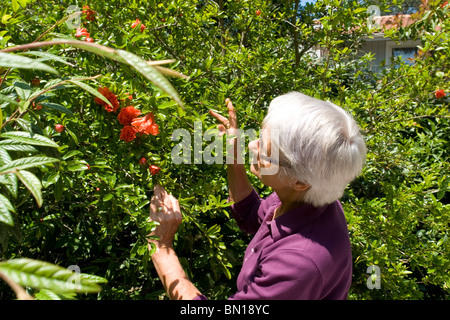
(111, 97)
(127, 115)
(82, 32)
(90, 14)
(146, 125)
(153, 169)
(128, 133)
(134, 25)
(88, 39)
(439, 93)
(86, 9)
(142, 27)
(142, 161)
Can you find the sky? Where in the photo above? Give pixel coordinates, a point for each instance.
(303, 2)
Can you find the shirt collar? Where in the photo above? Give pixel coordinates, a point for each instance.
(293, 220)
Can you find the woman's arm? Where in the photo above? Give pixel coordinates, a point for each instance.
(238, 183)
(165, 210)
(172, 275)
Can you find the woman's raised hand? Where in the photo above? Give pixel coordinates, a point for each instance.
(228, 125)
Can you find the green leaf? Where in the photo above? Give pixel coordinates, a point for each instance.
(91, 47)
(15, 5)
(9, 100)
(93, 278)
(166, 105)
(50, 178)
(77, 165)
(12, 145)
(25, 163)
(359, 10)
(90, 90)
(5, 211)
(5, 18)
(23, 91)
(56, 107)
(24, 106)
(33, 184)
(10, 60)
(70, 154)
(43, 275)
(33, 139)
(150, 73)
(48, 56)
(10, 180)
(126, 57)
(45, 294)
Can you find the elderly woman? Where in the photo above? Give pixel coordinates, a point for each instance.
(301, 246)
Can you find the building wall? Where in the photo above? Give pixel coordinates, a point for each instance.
(378, 47)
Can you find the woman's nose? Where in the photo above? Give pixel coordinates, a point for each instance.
(253, 146)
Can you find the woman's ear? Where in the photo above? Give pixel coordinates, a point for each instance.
(300, 186)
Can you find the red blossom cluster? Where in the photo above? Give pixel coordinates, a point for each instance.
(439, 93)
(134, 125)
(82, 32)
(90, 14)
(136, 23)
(129, 118)
(111, 97)
(127, 115)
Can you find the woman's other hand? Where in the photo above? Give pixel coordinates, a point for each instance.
(165, 210)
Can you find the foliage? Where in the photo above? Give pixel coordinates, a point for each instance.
(80, 196)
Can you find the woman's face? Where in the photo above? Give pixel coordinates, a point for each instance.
(265, 166)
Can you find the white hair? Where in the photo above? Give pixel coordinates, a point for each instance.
(319, 143)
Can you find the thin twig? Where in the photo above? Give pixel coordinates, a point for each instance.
(18, 290)
(30, 100)
(419, 117)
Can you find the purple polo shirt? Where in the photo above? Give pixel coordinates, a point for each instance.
(303, 254)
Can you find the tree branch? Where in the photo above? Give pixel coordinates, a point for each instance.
(18, 290)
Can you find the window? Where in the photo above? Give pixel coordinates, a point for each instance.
(407, 54)
(406, 50)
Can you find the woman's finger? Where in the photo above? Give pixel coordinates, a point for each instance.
(219, 117)
(176, 209)
(231, 113)
(222, 129)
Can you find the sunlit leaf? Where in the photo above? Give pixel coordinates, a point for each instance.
(32, 183)
(11, 60)
(151, 73)
(24, 163)
(43, 275)
(28, 138)
(5, 211)
(48, 56)
(90, 90)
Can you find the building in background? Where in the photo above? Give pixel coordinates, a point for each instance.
(381, 46)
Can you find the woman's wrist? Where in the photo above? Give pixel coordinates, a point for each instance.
(160, 248)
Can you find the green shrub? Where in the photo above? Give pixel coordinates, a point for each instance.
(85, 195)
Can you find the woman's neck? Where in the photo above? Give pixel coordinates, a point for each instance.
(290, 199)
